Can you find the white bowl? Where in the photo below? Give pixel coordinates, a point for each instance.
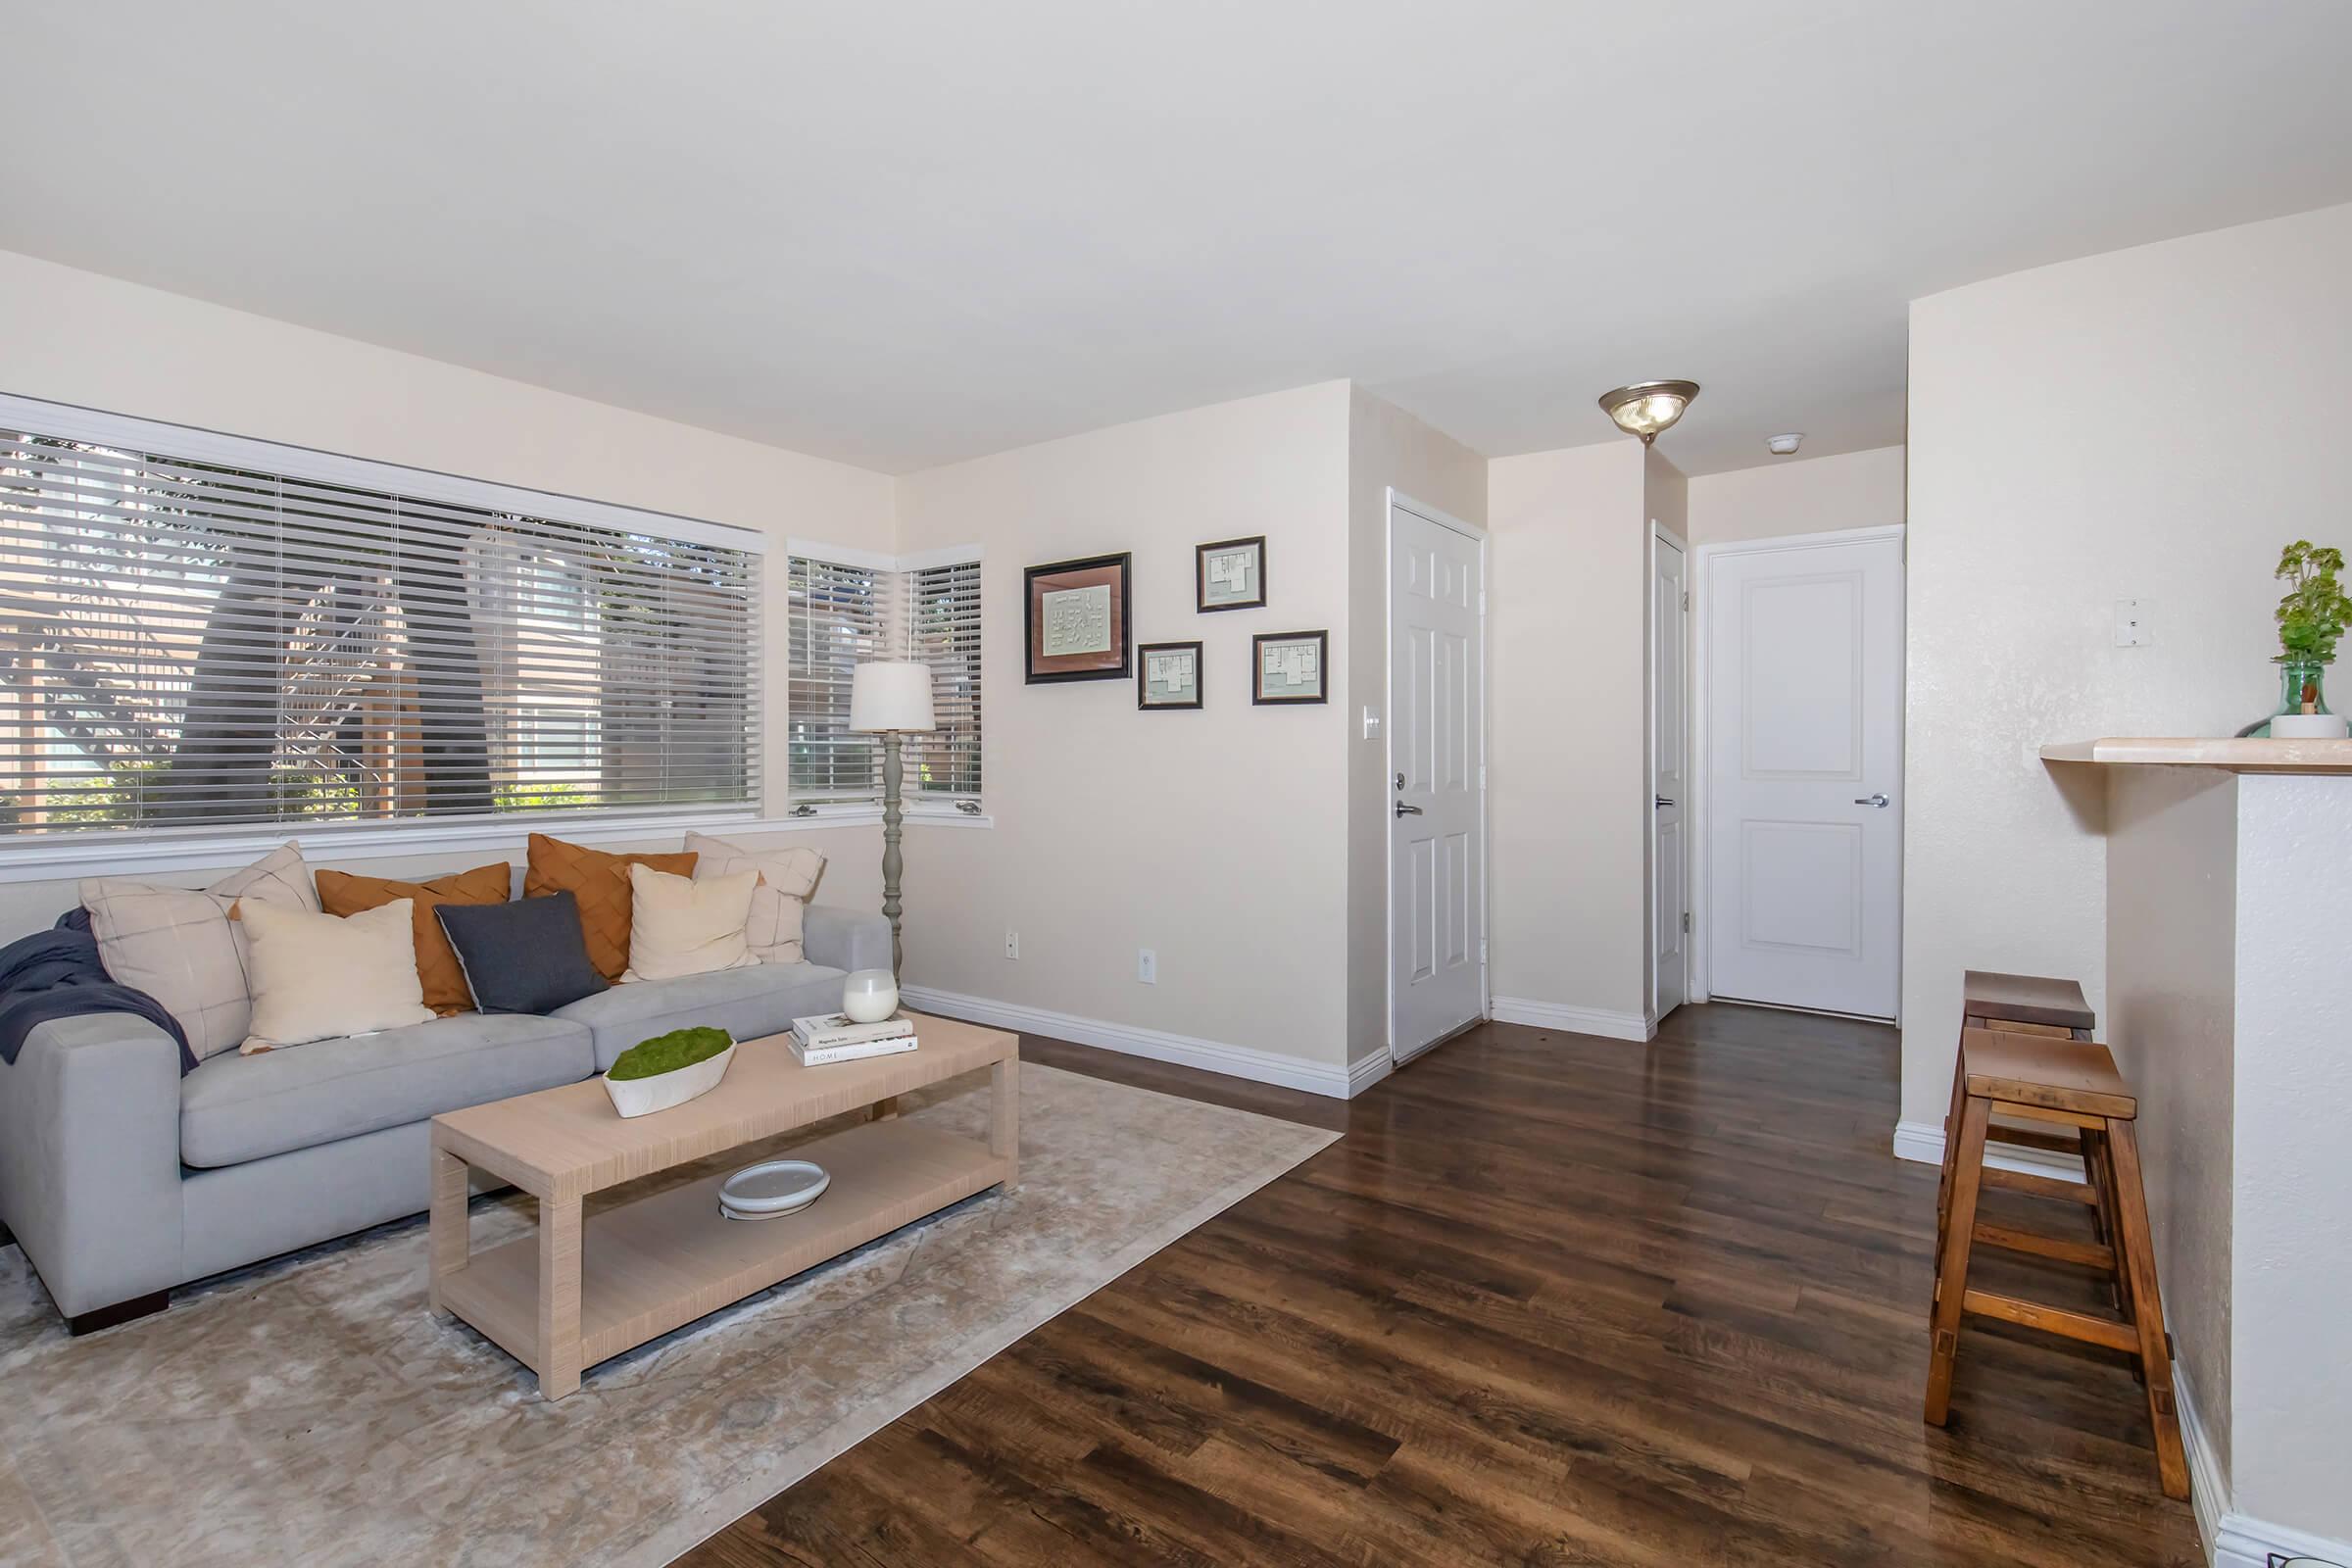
(2308, 727)
(771, 1188)
(642, 1096)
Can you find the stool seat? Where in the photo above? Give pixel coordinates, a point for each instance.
(2041, 1071)
(2025, 998)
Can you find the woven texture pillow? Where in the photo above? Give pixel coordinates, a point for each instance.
(181, 947)
(687, 925)
(321, 977)
(787, 878)
(437, 966)
(599, 883)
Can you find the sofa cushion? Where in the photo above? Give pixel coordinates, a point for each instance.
(787, 880)
(601, 883)
(235, 1108)
(761, 999)
(437, 968)
(524, 957)
(324, 977)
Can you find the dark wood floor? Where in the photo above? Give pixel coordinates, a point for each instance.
(1552, 1300)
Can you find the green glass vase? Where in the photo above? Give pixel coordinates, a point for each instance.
(2294, 675)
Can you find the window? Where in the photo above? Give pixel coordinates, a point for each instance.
(197, 631)
(844, 614)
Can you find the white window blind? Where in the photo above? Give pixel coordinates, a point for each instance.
(186, 642)
(841, 616)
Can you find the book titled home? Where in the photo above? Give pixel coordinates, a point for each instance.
(809, 1054)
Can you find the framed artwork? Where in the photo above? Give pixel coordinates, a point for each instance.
(1168, 676)
(1289, 667)
(1230, 574)
(1074, 623)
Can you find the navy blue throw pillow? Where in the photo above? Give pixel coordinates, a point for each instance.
(527, 956)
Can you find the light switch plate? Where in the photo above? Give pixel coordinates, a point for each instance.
(2134, 622)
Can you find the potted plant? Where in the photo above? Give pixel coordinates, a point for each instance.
(669, 1070)
(2311, 620)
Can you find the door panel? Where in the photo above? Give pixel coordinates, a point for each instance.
(1437, 745)
(1805, 717)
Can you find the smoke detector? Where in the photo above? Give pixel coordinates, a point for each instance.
(1783, 445)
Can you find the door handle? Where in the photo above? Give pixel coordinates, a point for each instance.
(1659, 803)
(1403, 809)
(1879, 799)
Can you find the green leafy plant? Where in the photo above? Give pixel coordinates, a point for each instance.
(680, 1048)
(2311, 615)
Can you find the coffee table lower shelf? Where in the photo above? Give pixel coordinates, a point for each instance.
(660, 1262)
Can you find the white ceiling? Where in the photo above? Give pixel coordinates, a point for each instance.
(903, 232)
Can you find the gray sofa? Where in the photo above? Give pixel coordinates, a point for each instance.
(121, 1179)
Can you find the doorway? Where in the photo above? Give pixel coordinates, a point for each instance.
(1437, 769)
(1669, 751)
(1802, 663)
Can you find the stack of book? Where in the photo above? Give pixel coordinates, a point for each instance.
(832, 1037)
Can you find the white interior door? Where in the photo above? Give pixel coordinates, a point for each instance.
(1669, 726)
(1804, 679)
(1437, 751)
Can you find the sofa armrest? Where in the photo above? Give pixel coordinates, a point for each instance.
(845, 939)
(89, 1158)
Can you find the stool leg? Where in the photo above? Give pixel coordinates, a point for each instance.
(1951, 1146)
(2098, 1169)
(1951, 1268)
(2147, 1315)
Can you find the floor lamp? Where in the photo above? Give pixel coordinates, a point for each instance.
(891, 699)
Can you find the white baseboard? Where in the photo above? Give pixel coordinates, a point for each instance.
(1923, 1141)
(1635, 1026)
(1183, 1051)
(2232, 1539)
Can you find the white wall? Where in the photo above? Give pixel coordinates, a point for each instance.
(1386, 447)
(2150, 424)
(76, 338)
(1568, 791)
(1798, 495)
(2171, 988)
(1217, 838)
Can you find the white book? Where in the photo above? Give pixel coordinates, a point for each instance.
(809, 1055)
(836, 1029)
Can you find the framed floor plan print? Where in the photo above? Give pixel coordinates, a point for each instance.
(1289, 667)
(1230, 574)
(1168, 676)
(1074, 623)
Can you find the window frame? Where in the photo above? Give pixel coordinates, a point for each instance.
(144, 848)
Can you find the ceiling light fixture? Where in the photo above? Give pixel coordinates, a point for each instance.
(1648, 408)
(1782, 446)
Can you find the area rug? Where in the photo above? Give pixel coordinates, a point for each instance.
(311, 1412)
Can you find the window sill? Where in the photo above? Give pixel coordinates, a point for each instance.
(871, 816)
(167, 854)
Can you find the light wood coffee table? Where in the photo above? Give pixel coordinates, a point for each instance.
(576, 1295)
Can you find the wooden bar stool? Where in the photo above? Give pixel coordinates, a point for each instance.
(2072, 1084)
(2036, 1005)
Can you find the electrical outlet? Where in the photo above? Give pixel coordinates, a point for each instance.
(1147, 966)
(1013, 943)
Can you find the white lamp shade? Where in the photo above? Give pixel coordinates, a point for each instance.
(890, 696)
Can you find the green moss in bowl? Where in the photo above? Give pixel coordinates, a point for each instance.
(680, 1048)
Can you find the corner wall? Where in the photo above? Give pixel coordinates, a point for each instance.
(1568, 792)
(1798, 495)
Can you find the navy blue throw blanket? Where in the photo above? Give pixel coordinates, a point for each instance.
(57, 974)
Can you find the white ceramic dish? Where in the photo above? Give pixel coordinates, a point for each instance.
(2308, 727)
(772, 1188)
(641, 1096)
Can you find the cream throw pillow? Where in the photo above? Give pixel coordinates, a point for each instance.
(787, 877)
(181, 947)
(685, 925)
(322, 976)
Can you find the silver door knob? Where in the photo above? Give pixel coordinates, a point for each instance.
(1403, 809)
(1879, 799)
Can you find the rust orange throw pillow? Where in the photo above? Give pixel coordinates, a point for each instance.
(601, 883)
(437, 967)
